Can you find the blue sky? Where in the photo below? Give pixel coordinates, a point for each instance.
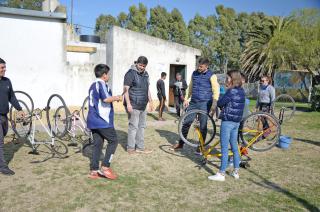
(85, 12)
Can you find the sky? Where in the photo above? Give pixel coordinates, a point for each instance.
(85, 12)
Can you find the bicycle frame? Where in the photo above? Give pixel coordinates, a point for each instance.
(31, 137)
(207, 152)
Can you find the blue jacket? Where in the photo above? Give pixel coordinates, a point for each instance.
(232, 104)
(201, 86)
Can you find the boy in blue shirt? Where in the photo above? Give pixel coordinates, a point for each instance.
(100, 122)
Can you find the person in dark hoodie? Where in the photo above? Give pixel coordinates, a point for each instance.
(6, 96)
(137, 95)
(232, 105)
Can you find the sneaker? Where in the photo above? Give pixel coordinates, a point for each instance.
(177, 147)
(235, 174)
(144, 151)
(107, 173)
(131, 151)
(6, 171)
(94, 174)
(217, 177)
(198, 152)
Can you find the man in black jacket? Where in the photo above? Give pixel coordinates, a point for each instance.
(6, 96)
(179, 91)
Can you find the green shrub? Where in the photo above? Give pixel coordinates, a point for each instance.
(315, 98)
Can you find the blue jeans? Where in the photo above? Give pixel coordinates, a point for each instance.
(205, 106)
(229, 134)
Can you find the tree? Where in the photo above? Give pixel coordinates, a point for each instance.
(227, 45)
(178, 30)
(265, 51)
(137, 18)
(159, 23)
(103, 24)
(202, 33)
(26, 4)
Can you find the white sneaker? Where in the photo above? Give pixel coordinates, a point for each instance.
(217, 177)
(235, 175)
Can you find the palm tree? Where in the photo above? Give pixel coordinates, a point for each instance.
(265, 52)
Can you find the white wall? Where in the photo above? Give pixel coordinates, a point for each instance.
(127, 46)
(33, 49)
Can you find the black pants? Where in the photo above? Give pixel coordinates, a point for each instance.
(3, 133)
(178, 103)
(98, 137)
(161, 105)
(265, 107)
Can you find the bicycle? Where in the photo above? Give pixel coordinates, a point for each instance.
(57, 115)
(284, 107)
(20, 130)
(76, 125)
(85, 108)
(54, 144)
(259, 131)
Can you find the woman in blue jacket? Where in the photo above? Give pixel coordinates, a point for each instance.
(232, 105)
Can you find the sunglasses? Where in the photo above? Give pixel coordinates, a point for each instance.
(264, 80)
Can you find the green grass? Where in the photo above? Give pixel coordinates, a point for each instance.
(278, 180)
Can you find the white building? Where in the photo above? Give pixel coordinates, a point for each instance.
(125, 46)
(33, 45)
(43, 60)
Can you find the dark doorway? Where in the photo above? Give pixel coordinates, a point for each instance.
(174, 69)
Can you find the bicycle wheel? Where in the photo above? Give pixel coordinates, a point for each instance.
(284, 107)
(57, 115)
(260, 131)
(21, 127)
(59, 147)
(192, 118)
(85, 108)
(26, 98)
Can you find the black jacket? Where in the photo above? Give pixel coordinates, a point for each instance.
(7, 96)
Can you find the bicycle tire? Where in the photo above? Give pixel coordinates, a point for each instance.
(195, 112)
(85, 108)
(59, 147)
(29, 97)
(271, 138)
(63, 131)
(286, 103)
(21, 124)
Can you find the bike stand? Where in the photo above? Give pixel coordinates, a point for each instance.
(34, 152)
(73, 144)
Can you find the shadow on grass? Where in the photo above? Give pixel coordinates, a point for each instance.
(122, 138)
(316, 143)
(186, 152)
(12, 147)
(273, 186)
(153, 115)
(303, 109)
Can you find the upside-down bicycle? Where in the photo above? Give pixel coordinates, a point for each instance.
(259, 131)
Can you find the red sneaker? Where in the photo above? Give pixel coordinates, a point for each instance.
(108, 173)
(94, 175)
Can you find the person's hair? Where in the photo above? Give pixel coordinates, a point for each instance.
(236, 79)
(101, 69)
(203, 61)
(178, 74)
(244, 77)
(2, 61)
(142, 60)
(268, 77)
(163, 74)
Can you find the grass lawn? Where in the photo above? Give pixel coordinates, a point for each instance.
(278, 180)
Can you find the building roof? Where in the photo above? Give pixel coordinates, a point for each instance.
(33, 13)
